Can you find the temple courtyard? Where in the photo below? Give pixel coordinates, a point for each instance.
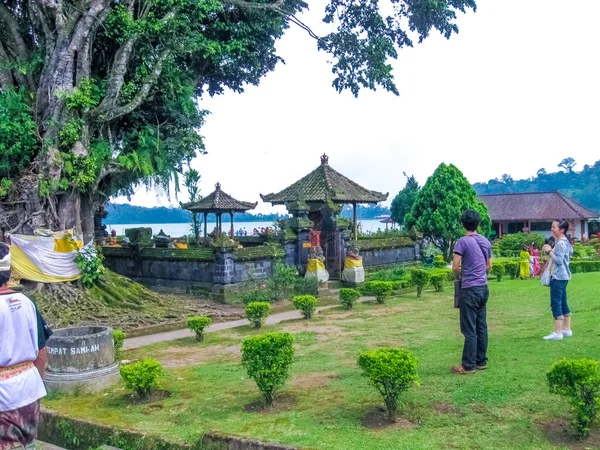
(328, 404)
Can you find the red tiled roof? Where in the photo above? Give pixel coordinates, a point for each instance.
(538, 206)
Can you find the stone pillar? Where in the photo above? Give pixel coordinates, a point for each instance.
(224, 268)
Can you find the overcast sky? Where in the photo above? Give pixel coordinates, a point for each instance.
(516, 90)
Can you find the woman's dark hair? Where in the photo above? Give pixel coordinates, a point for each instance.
(5, 275)
(563, 225)
(470, 220)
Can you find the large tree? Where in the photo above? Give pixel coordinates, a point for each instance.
(98, 96)
(438, 208)
(403, 202)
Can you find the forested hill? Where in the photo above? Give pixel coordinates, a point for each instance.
(582, 186)
(129, 214)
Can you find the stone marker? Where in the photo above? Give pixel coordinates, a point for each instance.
(81, 358)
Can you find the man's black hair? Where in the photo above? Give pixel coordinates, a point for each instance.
(4, 275)
(470, 220)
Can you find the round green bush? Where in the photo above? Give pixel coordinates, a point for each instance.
(392, 371)
(141, 376)
(579, 381)
(498, 270)
(438, 262)
(420, 278)
(380, 289)
(307, 304)
(267, 358)
(437, 281)
(198, 324)
(257, 313)
(511, 269)
(119, 340)
(348, 297)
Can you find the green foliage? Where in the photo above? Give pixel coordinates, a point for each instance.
(307, 304)
(306, 286)
(392, 371)
(511, 268)
(18, 131)
(439, 206)
(579, 381)
(448, 274)
(348, 297)
(439, 262)
(498, 270)
(514, 243)
(198, 324)
(380, 289)
(89, 263)
(70, 133)
(585, 266)
(403, 202)
(267, 358)
(283, 281)
(141, 376)
(420, 278)
(257, 313)
(438, 281)
(139, 236)
(192, 184)
(119, 340)
(85, 96)
(396, 273)
(257, 295)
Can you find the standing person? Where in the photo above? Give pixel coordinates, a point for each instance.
(472, 260)
(524, 264)
(535, 255)
(560, 274)
(23, 359)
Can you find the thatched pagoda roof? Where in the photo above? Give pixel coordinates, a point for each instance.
(325, 184)
(218, 202)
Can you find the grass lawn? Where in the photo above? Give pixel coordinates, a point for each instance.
(326, 402)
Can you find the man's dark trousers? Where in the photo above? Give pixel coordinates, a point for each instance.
(473, 325)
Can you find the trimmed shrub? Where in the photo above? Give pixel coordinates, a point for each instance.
(307, 304)
(380, 289)
(141, 376)
(119, 340)
(585, 266)
(392, 371)
(579, 381)
(396, 273)
(498, 271)
(437, 281)
(267, 358)
(420, 278)
(448, 274)
(438, 262)
(514, 242)
(257, 313)
(512, 269)
(397, 285)
(306, 286)
(282, 281)
(348, 297)
(257, 295)
(197, 325)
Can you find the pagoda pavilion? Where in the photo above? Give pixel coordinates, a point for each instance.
(218, 202)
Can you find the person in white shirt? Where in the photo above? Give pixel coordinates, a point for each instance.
(23, 360)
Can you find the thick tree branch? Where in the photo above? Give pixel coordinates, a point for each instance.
(119, 111)
(119, 69)
(251, 5)
(12, 27)
(6, 79)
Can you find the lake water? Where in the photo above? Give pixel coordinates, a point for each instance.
(182, 229)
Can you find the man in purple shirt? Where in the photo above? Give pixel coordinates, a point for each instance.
(472, 260)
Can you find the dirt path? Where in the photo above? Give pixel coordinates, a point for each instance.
(273, 319)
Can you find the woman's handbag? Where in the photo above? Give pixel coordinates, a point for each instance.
(546, 276)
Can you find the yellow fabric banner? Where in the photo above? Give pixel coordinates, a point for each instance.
(24, 268)
(66, 245)
(314, 265)
(181, 245)
(351, 263)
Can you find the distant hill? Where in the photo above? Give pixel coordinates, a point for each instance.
(129, 214)
(582, 186)
(124, 214)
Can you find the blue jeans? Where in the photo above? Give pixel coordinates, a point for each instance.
(473, 325)
(558, 298)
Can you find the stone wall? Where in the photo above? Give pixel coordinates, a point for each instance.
(387, 256)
